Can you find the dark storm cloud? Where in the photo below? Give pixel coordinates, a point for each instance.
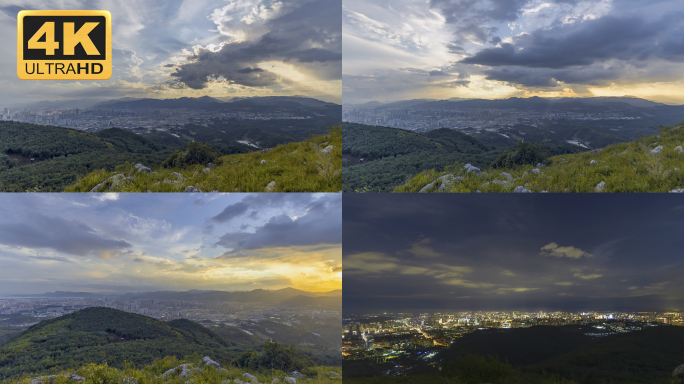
(544, 77)
(230, 212)
(499, 10)
(408, 252)
(319, 224)
(67, 236)
(591, 41)
(309, 34)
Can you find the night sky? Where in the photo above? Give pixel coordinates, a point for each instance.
(445, 253)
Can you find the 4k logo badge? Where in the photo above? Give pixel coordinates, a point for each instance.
(64, 45)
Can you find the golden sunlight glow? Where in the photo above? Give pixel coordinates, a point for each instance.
(313, 269)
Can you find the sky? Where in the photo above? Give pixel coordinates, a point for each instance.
(193, 48)
(449, 253)
(492, 49)
(150, 242)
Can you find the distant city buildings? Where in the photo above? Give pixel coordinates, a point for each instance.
(95, 119)
(228, 312)
(474, 120)
(381, 337)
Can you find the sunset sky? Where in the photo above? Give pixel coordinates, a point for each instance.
(147, 242)
(218, 48)
(413, 252)
(440, 49)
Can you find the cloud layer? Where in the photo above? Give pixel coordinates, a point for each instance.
(199, 47)
(407, 253)
(515, 48)
(135, 242)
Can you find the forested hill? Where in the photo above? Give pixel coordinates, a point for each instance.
(104, 335)
(378, 159)
(41, 158)
(45, 158)
(120, 339)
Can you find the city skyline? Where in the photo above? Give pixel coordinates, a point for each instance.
(411, 254)
(495, 49)
(187, 48)
(118, 243)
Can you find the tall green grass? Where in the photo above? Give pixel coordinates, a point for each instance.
(625, 167)
(294, 167)
(200, 374)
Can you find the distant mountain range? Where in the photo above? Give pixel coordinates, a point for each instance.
(285, 296)
(530, 103)
(204, 102)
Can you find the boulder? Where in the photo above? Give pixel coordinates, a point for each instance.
(270, 187)
(679, 149)
(507, 175)
(290, 380)
(298, 375)
(206, 170)
(600, 187)
(183, 368)
(657, 149)
(447, 181)
(142, 168)
(593, 162)
(521, 189)
(209, 361)
(679, 190)
(192, 189)
(678, 374)
(536, 170)
(249, 377)
(264, 162)
(544, 191)
(327, 149)
(114, 181)
(471, 168)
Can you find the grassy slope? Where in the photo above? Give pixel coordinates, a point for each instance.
(625, 167)
(151, 374)
(395, 155)
(295, 167)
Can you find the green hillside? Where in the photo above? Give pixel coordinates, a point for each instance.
(654, 163)
(113, 339)
(391, 156)
(41, 158)
(61, 155)
(313, 165)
